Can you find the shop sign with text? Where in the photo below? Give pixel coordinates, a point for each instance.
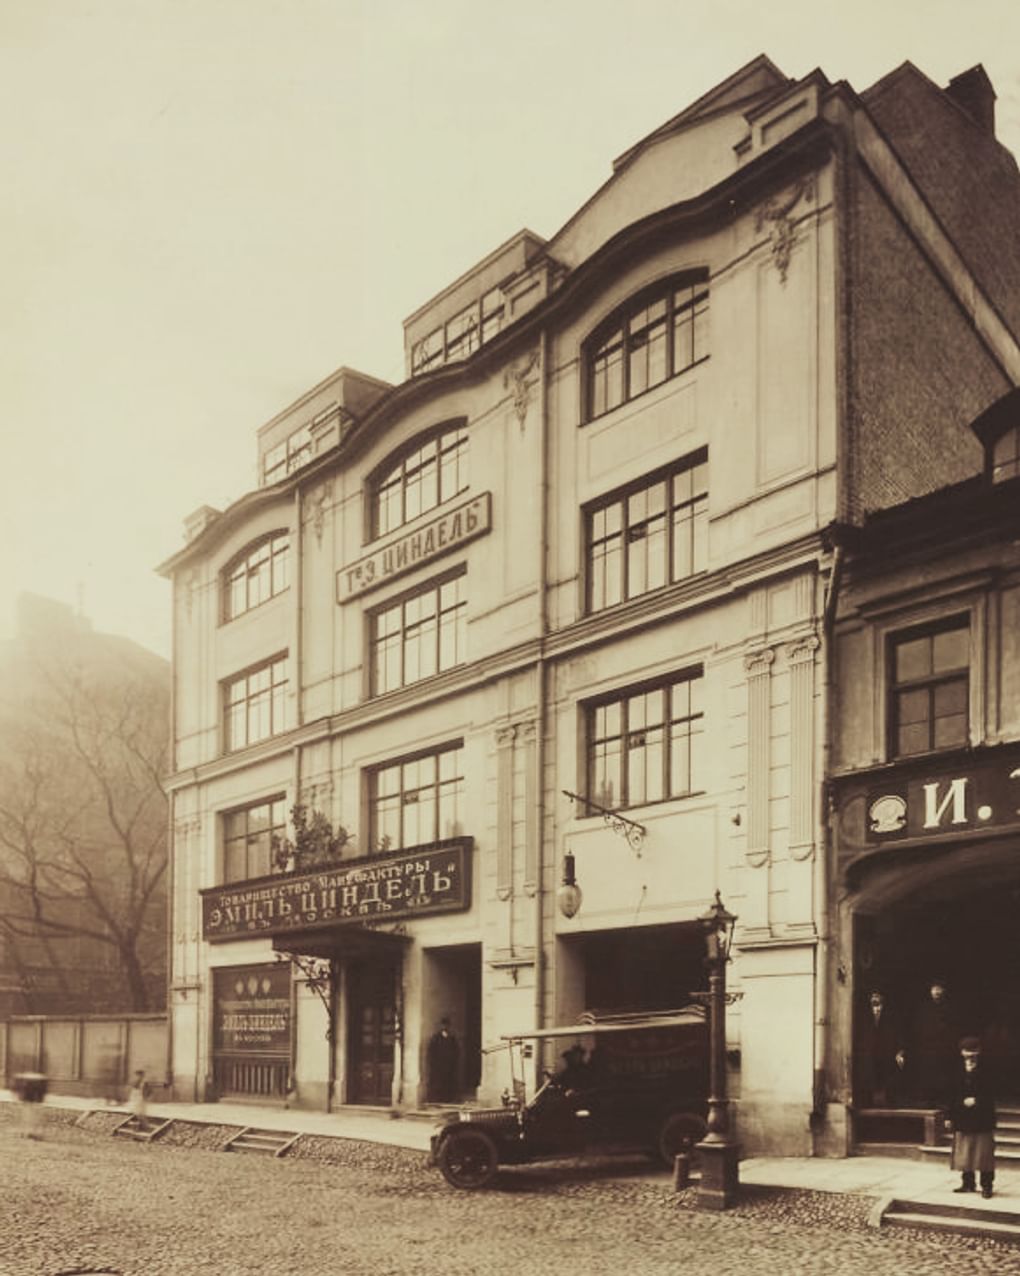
(251, 1009)
(432, 879)
(414, 549)
(984, 793)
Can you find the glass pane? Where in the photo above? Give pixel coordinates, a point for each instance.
(913, 658)
(950, 731)
(951, 698)
(606, 777)
(950, 650)
(912, 706)
(912, 739)
(679, 762)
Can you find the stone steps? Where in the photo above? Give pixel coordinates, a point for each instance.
(958, 1220)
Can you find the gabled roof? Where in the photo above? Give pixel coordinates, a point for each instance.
(760, 77)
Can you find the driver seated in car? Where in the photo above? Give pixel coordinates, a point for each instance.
(576, 1071)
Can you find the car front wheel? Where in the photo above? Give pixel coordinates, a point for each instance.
(468, 1159)
(679, 1134)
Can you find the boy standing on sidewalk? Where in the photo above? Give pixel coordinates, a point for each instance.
(973, 1116)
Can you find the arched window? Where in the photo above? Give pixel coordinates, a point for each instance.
(258, 573)
(428, 472)
(657, 334)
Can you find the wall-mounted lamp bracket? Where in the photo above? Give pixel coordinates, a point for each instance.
(630, 829)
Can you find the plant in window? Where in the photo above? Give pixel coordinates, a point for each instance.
(316, 844)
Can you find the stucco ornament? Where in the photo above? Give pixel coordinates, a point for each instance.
(317, 501)
(778, 213)
(518, 377)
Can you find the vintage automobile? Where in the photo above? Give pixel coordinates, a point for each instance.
(629, 1083)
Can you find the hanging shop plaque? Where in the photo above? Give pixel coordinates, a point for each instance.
(416, 548)
(431, 879)
(251, 1009)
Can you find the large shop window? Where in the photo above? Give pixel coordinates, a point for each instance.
(417, 800)
(253, 704)
(657, 335)
(649, 534)
(645, 744)
(423, 477)
(929, 689)
(419, 635)
(248, 836)
(259, 573)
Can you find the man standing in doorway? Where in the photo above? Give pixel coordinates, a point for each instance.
(443, 1063)
(935, 1046)
(881, 1057)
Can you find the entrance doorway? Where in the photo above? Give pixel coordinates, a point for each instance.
(646, 968)
(950, 921)
(453, 991)
(371, 1028)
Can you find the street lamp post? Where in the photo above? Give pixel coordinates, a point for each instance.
(720, 1179)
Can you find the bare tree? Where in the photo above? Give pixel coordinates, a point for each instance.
(83, 823)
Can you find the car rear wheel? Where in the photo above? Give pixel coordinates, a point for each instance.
(468, 1159)
(679, 1134)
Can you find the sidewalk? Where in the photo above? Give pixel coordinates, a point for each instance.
(881, 1177)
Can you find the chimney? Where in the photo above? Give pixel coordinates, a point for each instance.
(972, 90)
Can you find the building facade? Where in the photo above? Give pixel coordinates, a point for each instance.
(925, 791)
(578, 561)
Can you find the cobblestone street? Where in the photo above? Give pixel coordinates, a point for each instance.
(79, 1201)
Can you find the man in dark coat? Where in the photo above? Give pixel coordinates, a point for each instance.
(443, 1064)
(972, 1112)
(936, 1034)
(880, 1056)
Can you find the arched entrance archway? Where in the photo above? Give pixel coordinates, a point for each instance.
(916, 917)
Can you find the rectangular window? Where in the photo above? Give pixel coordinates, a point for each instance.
(288, 456)
(248, 839)
(462, 334)
(419, 635)
(644, 745)
(427, 353)
(929, 687)
(649, 534)
(253, 704)
(417, 800)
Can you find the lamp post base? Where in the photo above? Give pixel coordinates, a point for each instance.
(720, 1178)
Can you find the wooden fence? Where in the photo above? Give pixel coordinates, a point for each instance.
(91, 1055)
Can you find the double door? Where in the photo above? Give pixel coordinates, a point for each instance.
(372, 1034)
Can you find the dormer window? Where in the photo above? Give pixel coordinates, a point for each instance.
(461, 335)
(427, 473)
(656, 335)
(258, 573)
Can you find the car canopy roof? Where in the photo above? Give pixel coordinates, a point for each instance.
(595, 1025)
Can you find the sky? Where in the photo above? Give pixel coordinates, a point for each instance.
(209, 205)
